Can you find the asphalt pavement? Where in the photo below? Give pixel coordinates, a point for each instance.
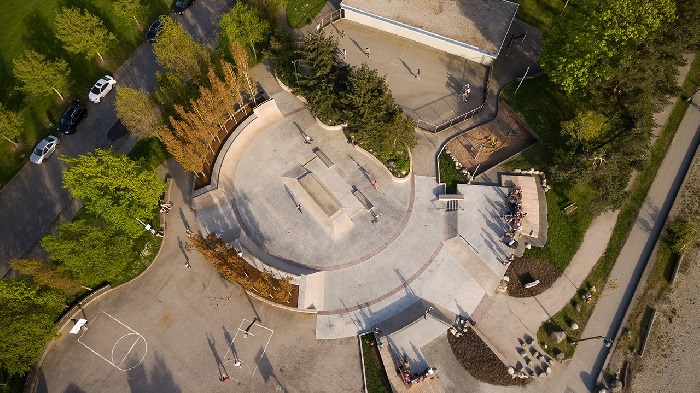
(34, 201)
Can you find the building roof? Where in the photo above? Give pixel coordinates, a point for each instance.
(479, 23)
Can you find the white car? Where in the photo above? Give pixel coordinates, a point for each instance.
(44, 149)
(101, 88)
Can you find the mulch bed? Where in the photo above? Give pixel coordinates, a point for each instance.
(526, 269)
(480, 361)
(485, 146)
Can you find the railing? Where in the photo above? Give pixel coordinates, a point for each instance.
(464, 116)
(329, 18)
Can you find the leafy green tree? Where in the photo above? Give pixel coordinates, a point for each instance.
(585, 127)
(129, 9)
(114, 188)
(179, 53)
(45, 273)
(10, 125)
(578, 48)
(243, 24)
(83, 33)
(321, 77)
(138, 112)
(93, 252)
(40, 76)
(27, 312)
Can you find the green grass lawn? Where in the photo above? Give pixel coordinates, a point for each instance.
(543, 106)
(539, 13)
(377, 381)
(28, 24)
(151, 152)
(301, 12)
(449, 174)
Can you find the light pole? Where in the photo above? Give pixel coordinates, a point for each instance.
(607, 342)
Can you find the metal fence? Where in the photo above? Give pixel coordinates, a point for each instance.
(329, 19)
(464, 116)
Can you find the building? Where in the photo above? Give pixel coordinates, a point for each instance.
(473, 29)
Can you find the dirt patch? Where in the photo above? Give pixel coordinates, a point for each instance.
(489, 144)
(526, 270)
(480, 361)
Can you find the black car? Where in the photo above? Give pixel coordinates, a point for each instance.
(180, 6)
(154, 30)
(72, 117)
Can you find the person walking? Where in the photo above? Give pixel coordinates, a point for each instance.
(367, 52)
(187, 264)
(342, 33)
(418, 73)
(375, 184)
(345, 54)
(427, 311)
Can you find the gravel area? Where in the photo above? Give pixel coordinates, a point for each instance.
(480, 361)
(671, 357)
(525, 270)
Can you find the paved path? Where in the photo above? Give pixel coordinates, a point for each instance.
(35, 200)
(189, 321)
(611, 308)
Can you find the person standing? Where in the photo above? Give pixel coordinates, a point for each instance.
(367, 52)
(418, 73)
(345, 54)
(427, 311)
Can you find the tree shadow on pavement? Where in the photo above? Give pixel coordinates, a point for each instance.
(158, 379)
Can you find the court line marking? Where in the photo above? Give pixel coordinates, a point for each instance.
(116, 342)
(243, 330)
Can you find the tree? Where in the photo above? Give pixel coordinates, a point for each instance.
(114, 188)
(45, 273)
(244, 25)
(10, 125)
(322, 75)
(27, 312)
(127, 9)
(92, 251)
(178, 52)
(376, 122)
(579, 46)
(40, 76)
(585, 127)
(138, 112)
(245, 78)
(83, 33)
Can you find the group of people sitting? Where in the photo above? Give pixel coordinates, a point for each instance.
(514, 217)
(408, 378)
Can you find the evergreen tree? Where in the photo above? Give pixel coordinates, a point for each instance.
(321, 77)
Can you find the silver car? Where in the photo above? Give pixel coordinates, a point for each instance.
(44, 149)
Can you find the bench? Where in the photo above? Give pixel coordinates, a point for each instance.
(570, 208)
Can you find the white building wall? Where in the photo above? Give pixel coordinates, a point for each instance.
(421, 37)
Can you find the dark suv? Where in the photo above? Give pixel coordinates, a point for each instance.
(180, 6)
(72, 117)
(154, 30)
